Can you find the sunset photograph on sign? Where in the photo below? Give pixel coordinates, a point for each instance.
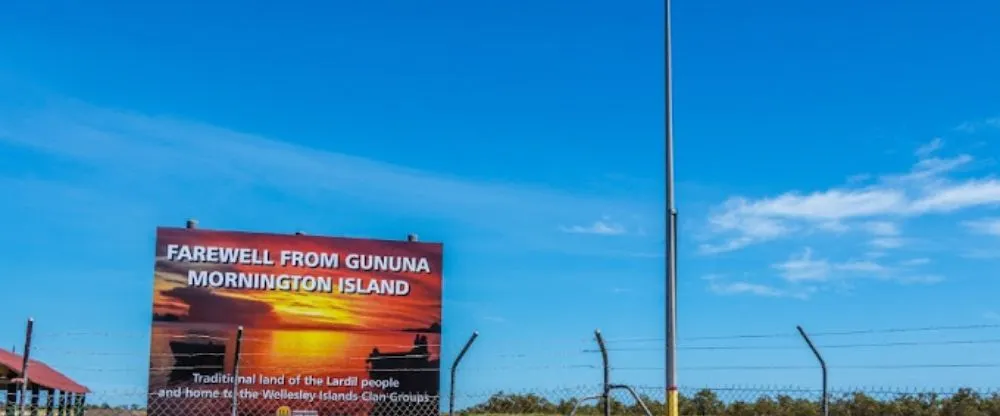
(322, 324)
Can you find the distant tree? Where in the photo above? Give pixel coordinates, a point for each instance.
(963, 403)
(704, 402)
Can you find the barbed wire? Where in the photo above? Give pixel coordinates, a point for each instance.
(792, 334)
(537, 354)
(328, 369)
(814, 367)
(799, 347)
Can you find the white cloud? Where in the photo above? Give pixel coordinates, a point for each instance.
(966, 127)
(835, 204)
(867, 266)
(806, 267)
(927, 170)
(157, 156)
(954, 197)
(887, 242)
(927, 188)
(990, 226)
(915, 262)
(882, 228)
(729, 245)
(926, 279)
(976, 126)
(743, 287)
(752, 230)
(602, 227)
(834, 227)
(929, 148)
(719, 287)
(803, 267)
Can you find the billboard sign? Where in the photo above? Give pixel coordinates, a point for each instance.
(330, 325)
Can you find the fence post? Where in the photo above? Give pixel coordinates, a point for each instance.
(35, 392)
(50, 402)
(606, 391)
(236, 369)
(24, 363)
(62, 403)
(824, 401)
(78, 405)
(10, 399)
(454, 367)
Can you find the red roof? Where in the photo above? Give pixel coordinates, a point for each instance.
(40, 373)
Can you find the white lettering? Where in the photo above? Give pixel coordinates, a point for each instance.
(260, 281)
(219, 255)
(171, 251)
(310, 259)
(382, 287)
(396, 264)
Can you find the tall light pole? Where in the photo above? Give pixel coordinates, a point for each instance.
(671, 225)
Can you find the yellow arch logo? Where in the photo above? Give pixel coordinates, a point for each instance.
(284, 411)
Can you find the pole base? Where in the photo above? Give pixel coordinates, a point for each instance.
(673, 402)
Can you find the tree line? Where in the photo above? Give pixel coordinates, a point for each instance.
(964, 402)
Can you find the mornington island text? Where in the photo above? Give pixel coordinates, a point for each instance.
(297, 283)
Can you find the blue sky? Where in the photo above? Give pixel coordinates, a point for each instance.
(836, 164)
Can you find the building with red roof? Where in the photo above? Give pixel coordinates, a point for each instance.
(59, 390)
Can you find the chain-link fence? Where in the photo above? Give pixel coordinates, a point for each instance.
(398, 381)
(582, 400)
